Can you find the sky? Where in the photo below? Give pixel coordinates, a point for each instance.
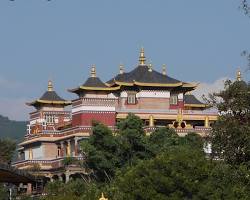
(199, 41)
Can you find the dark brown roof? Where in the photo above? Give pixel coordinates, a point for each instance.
(190, 99)
(94, 82)
(142, 74)
(49, 97)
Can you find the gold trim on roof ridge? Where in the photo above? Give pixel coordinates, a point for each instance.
(159, 84)
(49, 102)
(190, 84)
(99, 88)
(194, 105)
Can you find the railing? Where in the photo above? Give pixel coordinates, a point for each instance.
(52, 161)
(198, 129)
(171, 112)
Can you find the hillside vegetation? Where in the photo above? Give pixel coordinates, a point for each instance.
(12, 129)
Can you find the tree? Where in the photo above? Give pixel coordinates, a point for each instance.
(7, 150)
(100, 151)
(231, 132)
(182, 172)
(133, 144)
(175, 174)
(3, 192)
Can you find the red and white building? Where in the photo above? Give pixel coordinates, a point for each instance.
(159, 100)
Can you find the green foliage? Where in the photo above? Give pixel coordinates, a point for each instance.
(12, 129)
(175, 174)
(231, 133)
(3, 192)
(75, 189)
(182, 172)
(69, 161)
(7, 150)
(133, 143)
(100, 151)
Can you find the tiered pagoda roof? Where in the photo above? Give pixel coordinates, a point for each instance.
(142, 75)
(93, 83)
(49, 97)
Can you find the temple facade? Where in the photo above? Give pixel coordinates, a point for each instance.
(53, 133)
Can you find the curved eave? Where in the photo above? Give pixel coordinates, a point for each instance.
(100, 88)
(195, 105)
(77, 90)
(159, 84)
(146, 84)
(190, 85)
(39, 101)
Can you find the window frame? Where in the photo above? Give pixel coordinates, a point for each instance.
(131, 98)
(173, 99)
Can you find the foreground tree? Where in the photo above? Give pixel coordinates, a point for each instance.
(231, 133)
(7, 150)
(182, 172)
(101, 153)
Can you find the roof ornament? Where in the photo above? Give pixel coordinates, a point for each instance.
(121, 68)
(150, 67)
(93, 71)
(164, 72)
(238, 76)
(142, 58)
(103, 198)
(50, 86)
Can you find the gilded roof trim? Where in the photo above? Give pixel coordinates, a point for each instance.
(195, 105)
(100, 88)
(159, 84)
(49, 102)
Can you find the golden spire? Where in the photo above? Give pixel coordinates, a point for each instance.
(103, 198)
(142, 58)
(164, 72)
(150, 67)
(121, 68)
(238, 76)
(50, 86)
(93, 71)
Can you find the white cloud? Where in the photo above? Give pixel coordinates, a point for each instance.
(207, 88)
(15, 109)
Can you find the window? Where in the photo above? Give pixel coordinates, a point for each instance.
(131, 98)
(50, 118)
(173, 100)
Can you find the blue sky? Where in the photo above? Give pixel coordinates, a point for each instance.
(198, 40)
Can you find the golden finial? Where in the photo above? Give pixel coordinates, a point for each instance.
(164, 72)
(121, 69)
(103, 198)
(142, 58)
(150, 67)
(238, 76)
(50, 86)
(93, 71)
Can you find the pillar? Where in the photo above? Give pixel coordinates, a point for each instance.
(30, 154)
(67, 177)
(76, 146)
(62, 149)
(68, 148)
(207, 122)
(151, 121)
(29, 188)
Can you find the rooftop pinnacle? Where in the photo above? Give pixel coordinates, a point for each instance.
(93, 71)
(142, 58)
(238, 77)
(50, 86)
